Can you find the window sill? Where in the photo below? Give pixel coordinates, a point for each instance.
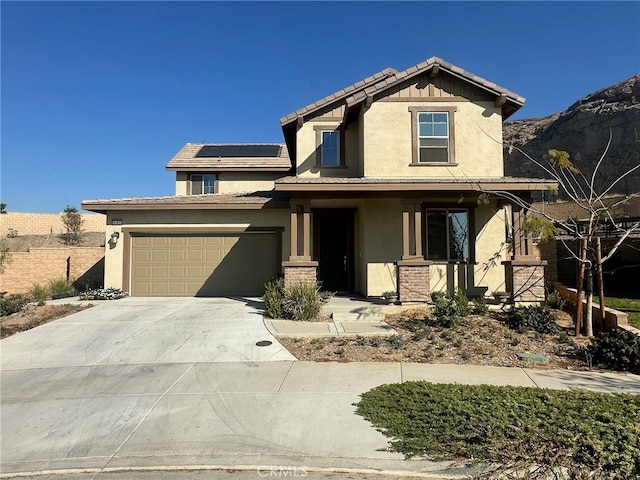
(433, 164)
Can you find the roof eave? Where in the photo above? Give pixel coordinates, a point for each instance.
(213, 168)
(417, 187)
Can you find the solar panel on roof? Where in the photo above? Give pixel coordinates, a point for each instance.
(239, 151)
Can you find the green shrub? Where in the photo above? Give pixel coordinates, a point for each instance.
(39, 293)
(538, 319)
(273, 296)
(395, 341)
(555, 300)
(60, 287)
(480, 306)
(12, 304)
(517, 427)
(617, 350)
(448, 311)
(302, 301)
(462, 303)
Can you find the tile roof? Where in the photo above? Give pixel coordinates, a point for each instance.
(187, 159)
(249, 200)
(340, 94)
(389, 77)
(427, 65)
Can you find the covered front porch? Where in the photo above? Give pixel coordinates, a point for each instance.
(377, 238)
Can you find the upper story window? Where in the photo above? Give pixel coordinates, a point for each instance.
(200, 184)
(433, 135)
(328, 147)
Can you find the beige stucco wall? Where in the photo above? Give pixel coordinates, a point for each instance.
(388, 141)
(379, 144)
(382, 225)
(306, 152)
(195, 221)
(233, 182)
(238, 182)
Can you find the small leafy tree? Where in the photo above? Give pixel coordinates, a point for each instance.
(3, 208)
(72, 220)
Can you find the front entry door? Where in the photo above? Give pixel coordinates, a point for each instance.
(333, 248)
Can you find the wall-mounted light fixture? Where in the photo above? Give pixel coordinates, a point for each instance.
(114, 238)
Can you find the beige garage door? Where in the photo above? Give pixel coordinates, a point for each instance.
(203, 265)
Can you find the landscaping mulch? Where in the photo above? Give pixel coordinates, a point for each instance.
(477, 340)
(33, 315)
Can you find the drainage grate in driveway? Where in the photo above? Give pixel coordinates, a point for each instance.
(263, 343)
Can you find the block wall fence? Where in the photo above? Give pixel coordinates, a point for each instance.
(26, 223)
(39, 265)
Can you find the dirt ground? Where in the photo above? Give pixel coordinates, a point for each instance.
(22, 243)
(477, 340)
(32, 315)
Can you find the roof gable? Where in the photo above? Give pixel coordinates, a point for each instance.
(389, 78)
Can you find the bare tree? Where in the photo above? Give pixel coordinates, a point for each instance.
(597, 211)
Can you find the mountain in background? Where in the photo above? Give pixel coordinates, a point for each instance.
(583, 131)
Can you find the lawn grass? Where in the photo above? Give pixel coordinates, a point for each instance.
(625, 301)
(512, 426)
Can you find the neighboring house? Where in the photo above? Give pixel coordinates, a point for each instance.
(377, 188)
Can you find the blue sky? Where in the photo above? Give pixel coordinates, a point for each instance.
(98, 96)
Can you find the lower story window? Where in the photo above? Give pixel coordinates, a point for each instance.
(447, 234)
(201, 184)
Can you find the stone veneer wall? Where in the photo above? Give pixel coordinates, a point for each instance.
(413, 281)
(26, 223)
(39, 265)
(525, 280)
(295, 272)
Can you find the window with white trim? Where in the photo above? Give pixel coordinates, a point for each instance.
(202, 183)
(330, 148)
(433, 137)
(447, 234)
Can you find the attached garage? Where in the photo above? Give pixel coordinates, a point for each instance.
(203, 265)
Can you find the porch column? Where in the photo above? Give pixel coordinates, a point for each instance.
(405, 229)
(294, 231)
(306, 231)
(300, 268)
(412, 269)
(524, 273)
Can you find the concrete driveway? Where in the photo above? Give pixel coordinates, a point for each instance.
(148, 331)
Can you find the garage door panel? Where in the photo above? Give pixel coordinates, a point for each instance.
(177, 255)
(159, 241)
(205, 265)
(195, 254)
(177, 271)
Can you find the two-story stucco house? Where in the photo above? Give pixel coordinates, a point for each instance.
(378, 187)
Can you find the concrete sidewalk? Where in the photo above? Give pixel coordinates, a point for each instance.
(246, 415)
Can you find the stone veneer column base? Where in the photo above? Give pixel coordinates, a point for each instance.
(300, 271)
(413, 280)
(524, 279)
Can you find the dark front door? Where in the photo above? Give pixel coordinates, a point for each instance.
(333, 248)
